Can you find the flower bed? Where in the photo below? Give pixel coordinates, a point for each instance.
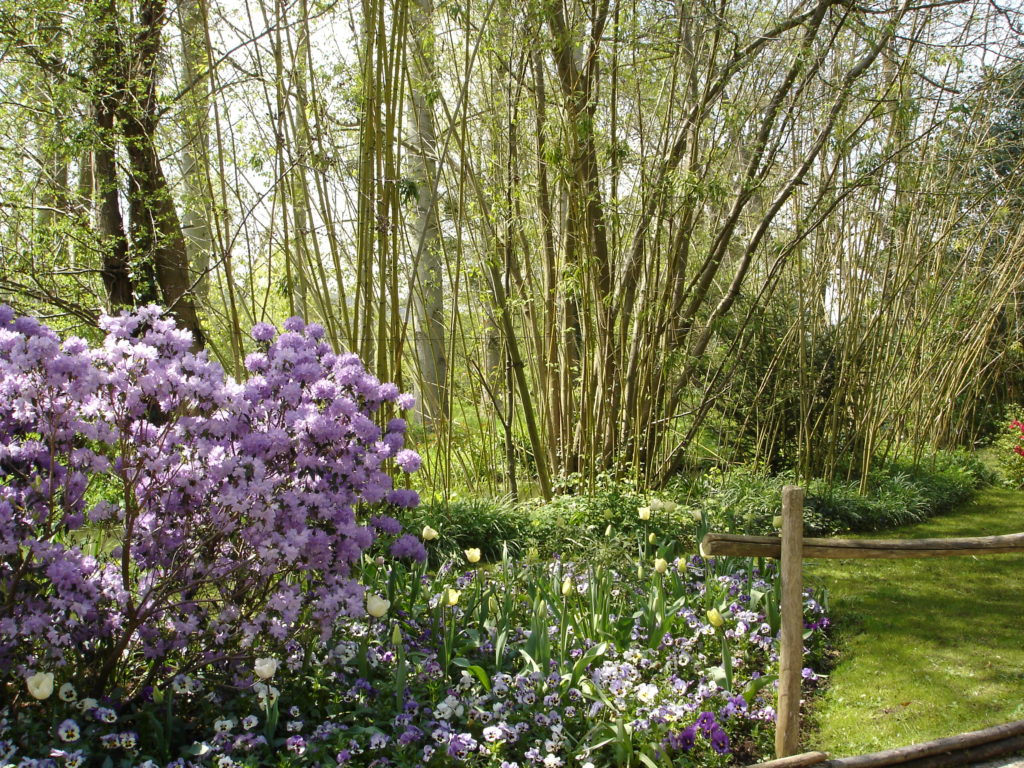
(196, 571)
(516, 664)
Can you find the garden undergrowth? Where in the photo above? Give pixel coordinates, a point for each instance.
(928, 647)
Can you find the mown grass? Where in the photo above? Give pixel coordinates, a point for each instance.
(927, 647)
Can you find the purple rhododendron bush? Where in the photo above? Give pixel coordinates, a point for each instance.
(201, 572)
(157, 517)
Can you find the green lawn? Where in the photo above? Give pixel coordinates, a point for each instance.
(928, 647)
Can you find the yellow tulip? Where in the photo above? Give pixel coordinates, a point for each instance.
(660, 564)
(429, 534)
(644, 513)
(567, 587)
(377, 606)
(715, 618)
(452, 596)
(473, 555)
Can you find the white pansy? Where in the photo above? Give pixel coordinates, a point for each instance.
(647, 693)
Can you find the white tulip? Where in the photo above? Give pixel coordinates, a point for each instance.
(265, 668)
(40, 685)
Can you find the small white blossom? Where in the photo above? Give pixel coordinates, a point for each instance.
(265, 668)
(40, 685)
(87, 704)
(647, 693)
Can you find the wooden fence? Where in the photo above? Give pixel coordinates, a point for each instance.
(791, 548)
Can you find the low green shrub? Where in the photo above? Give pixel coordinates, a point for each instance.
(899, 491)
(604, 527)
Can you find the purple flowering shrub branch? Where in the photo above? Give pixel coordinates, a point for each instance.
(227, 508)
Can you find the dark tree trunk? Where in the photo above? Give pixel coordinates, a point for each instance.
(157, 239)
(116, 269)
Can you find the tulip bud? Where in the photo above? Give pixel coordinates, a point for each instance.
(429, 534)
(777, 521)
(715, 618)
(651, 538)
(608, 530)
(492, 604)
(40, 685)
(696, 515)
(396, 635)
(567, 587)
(644, 513)
(377, 606)
(660, 565)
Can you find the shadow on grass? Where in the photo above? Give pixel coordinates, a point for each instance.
(928, 647)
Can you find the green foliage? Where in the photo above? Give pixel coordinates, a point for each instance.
(1006, 444)
(898, 491)
(490, 525)
(604, 524)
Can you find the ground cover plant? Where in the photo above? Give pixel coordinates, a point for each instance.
(186, 579)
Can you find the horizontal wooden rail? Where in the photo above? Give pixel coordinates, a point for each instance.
(725, 544)
(990, 742)
(803, 760)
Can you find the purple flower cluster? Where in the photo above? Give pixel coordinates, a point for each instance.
(231, 505)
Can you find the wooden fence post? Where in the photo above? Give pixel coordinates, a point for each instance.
(791, 650)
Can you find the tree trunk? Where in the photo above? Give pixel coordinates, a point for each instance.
(428, 286)
(157, 239)
(195, 169)
(118, 280)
